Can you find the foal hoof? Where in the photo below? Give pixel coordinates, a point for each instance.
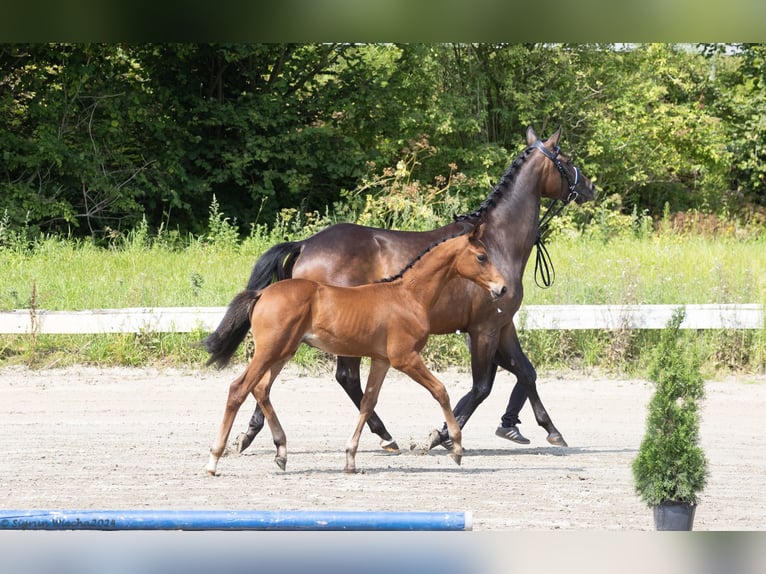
(456, 457)
(389, 445)
(281, 461)
(556, 439)
(241, 443)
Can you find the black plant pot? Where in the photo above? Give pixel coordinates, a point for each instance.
(674, 516)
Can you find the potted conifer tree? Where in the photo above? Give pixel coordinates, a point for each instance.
(671, 468)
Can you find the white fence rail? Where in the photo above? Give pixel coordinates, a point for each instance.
(548, 317)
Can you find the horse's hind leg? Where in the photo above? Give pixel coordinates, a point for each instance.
(348, 376)
(253, 428)
(378, 370)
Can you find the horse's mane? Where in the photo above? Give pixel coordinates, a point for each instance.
(502, 185)
(475, 216)
(420, 255)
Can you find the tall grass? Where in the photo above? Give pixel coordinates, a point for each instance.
(604, 258)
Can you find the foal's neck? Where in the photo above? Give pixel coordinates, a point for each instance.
(430, 274)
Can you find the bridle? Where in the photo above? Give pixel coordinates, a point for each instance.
(543, 264)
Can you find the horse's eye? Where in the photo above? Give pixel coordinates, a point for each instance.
(481, 258)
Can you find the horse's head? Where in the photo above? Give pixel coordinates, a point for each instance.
(473, 263)
(564, 180)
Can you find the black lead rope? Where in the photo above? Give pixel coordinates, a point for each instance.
(545, 274)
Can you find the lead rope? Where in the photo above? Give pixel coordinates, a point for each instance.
(545, 274)
(543, 262)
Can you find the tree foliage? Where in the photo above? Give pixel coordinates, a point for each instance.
(96, 138)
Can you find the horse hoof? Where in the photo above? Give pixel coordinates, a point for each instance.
(389, 445)
(210, 472)
(241, 443)
(281, 461)
(456, 457)
(556, 439)
(431, 441)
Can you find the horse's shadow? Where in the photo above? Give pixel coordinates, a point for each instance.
(556, 451)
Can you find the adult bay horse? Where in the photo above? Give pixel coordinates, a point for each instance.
(347, 254)
(388, 321)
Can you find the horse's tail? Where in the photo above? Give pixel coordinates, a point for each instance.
(223, 342)
(274, 265)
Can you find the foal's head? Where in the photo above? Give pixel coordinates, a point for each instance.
(472, 262)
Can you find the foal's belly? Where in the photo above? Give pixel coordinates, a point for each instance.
(349, 347)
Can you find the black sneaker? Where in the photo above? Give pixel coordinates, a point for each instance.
(511, 433)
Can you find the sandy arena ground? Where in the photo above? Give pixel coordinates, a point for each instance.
(89, 438)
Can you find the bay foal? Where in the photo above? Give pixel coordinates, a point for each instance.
(387, 321)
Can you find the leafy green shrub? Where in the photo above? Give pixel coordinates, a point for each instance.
(671, 465)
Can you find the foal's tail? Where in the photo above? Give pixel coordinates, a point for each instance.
(274, 265)
(223, 342)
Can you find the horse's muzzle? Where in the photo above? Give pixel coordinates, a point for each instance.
(497, 290)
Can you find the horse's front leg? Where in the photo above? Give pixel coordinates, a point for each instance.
(511, 357)
(378, 370)
(348, 376)
(483, 370)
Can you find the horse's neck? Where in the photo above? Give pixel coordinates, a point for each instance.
(513, 220)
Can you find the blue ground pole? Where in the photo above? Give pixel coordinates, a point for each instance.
(231, 520)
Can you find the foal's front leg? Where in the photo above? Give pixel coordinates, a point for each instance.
(417, 370)
(378, 370)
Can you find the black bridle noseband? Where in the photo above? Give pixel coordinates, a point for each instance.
(543, 265)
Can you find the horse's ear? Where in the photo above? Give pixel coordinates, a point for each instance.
(531, 136)
(554, 139)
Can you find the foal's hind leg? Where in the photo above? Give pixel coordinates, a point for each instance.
(261, 393)
(238, 391)
(347, 375)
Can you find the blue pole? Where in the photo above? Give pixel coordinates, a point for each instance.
(230, 520)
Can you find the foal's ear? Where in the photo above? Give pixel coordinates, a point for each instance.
(477, 233)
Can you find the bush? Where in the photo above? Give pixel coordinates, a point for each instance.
(671, 466)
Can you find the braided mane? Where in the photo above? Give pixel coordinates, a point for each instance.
(420, 255)
(504, 183)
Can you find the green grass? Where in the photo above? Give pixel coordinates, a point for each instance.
(661, 268)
